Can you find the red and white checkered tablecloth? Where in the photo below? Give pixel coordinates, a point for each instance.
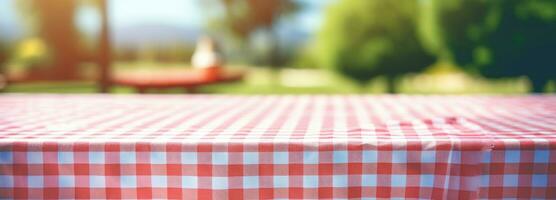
(279, 147)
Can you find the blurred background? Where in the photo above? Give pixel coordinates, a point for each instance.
(278, 46)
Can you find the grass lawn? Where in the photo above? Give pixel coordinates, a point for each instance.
(375, 87)
(295, 81)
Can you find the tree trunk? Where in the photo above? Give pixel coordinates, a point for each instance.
(273, 56)
(104, 50)
(538, 84)
(3, 58)
(3, 78)
(391, 84)
(58, 30)
(361, 87)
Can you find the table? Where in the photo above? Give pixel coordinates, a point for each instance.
(300, 147)
(190, 80)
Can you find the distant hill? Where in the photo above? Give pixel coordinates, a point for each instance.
(292, 36)
(160, 35)
(154, 35)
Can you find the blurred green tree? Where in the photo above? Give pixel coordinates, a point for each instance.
(365, 39)
(501, 38)
(244, 17)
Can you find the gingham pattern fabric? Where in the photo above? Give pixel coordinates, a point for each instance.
(277, 147)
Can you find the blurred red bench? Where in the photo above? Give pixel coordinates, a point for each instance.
(163, 79)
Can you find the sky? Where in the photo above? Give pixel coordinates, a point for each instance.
(175, 12)
(192, 13)
(9, 20)
(179, 13)
(312, 16)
